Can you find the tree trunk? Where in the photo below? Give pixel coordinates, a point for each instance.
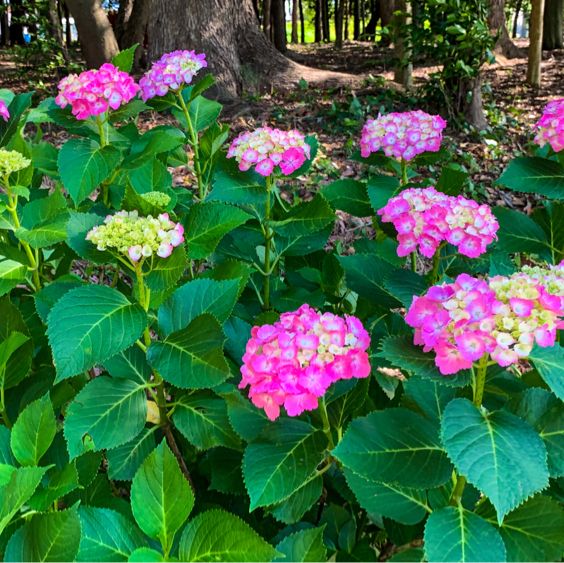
(473, 109)
(373, 22)
(226, 31)
(356, 23)
(325, 20)
(339, 23)
(516, 18)
(346, 17)
(56, 28)
(552, 25)
(4, 27)
(267, 18)
(95, 32)
(123, 14)
(295, 19)
(496, 22)
(279, 25)
(17, 15)
(68, 30)
(302, 21)
(136, 29)
(535, 44)
(317, 22)
(403, 73)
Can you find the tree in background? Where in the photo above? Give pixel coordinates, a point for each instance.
(535, 46)
(553, 25)
(497, 23)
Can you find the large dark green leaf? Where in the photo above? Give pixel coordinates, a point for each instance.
(534, 175)
(550, 365)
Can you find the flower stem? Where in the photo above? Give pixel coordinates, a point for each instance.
(195, 146)
(414, 262)
(103, 142)
(326, 423)
(267, 245)
(436, 264)
(478, 394)
(404, 178)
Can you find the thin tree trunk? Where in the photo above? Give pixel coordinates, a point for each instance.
(279, 25)
(535, 44)
(57, 28)
(17, 13)
(4, 27)
(346, 16)
(403, 73)
(356, 23)
(552, 25)
(123, 14)
(516, 18)
(68, 29)
(317, 22)
(339, 23)
(474, 109)
(496, 22)
(302, 21)
(295, 18)
(326, 21)
(136, 29)
(267, 18)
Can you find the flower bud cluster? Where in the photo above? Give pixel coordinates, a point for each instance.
(402, 135)
(294, 361)
(12, 161)
(424, 218)
(550, 127)
(503, 317)
(266, 148)
(170, 72)
(93, 92)
(137, 237)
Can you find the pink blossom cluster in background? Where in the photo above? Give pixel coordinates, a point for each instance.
(503, 317)
(4, 113)
(402, 135)
(550, 127)
(93, 92)
(170, 72)
(294, 361)
(266, 147)
(137, 237)
(425, 217)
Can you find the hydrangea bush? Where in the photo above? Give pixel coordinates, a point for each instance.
(197, 373)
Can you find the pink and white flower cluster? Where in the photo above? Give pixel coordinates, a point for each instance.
(503, 317)
(266, 147)
(137, 237)
(170, 72)
(93, 92)
(4, 113)
(550, 127)
(424, 218)
(294, 361)
(402, 135)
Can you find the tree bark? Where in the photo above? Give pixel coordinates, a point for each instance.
(57, 28)
(16, 25)
(535, 44)
(552, 25)
(295, 19)
(346, 18)
(136, 29)
(302, 21)
(226, 31)
(496, 22)
(267, 18)
(68, 30)
(95, 32)
(339, 23)
(4, 27)
(356, 23)
(279, 25)
(325, 21)
(317, 22)
(123, 14)
(403, 73)
(474, 108)
(518, 5)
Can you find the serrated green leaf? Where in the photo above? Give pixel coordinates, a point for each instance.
(125, 460)
(534, 175)
(381, 189)
(278, 465)
(195, 298)
(60, 482)
(78, 226)
(245, 418)
(550, 217)
(166, 272)
(150, 176)
(107, 535)
(304, 545)
(192, 358)
(161, 498)
(498, 453)
(455, 534)
(12, 273)
(292, 509)
(395, 446)
(17, 106)
(89, 325)
(428, 396)
(203, 112)
(348, 195)
(105, 414)
(217, 535)
(202, 418)
(550, 365)
(51, 293)
(34, 431)
(130, 364)
(305, 219)
(124, 59)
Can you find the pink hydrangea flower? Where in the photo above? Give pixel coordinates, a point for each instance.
(94, 92)
(550, 127)
(267, 148)
(424, 218)
(294, 361)
(503, 317)
(170, 72)
(4, 113)
(402, 135)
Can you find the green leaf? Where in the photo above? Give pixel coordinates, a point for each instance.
(124, 59)
(217, 535)
(245, 418)
(105, 414)
(305, 218)
(12, 273)
(158, 140)
(202, 418)
(127, 111)
(305, 545)
(395, 446)
(150, 176)
(207, 223)
(146, 554)
(534, 175)
(47, 234)
(195, 298)
(279, 464)
(130, 364)
(125, 460)
(78, 226)
(107, 535)
(533, 532)
(293, 508)
(51, 293)
(401, 352)
(349, 196)
(550, 365)
(84, 165)
(452, 179)
(381, 189)
(498, 453)
(192, 358)
(407, 506)
(89, 325)
(455, 534)
(166, 272)
(60, 482)
(53, 536)
(9, 347)
(519, 233)
(551, 219)
(161, 498)
(18, 491)
(430, 397)
(404, 285)
(34, 431)
(17, 106)
(203, 112)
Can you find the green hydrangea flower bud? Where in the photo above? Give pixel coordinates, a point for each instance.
(158, 199)
(12, 161)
